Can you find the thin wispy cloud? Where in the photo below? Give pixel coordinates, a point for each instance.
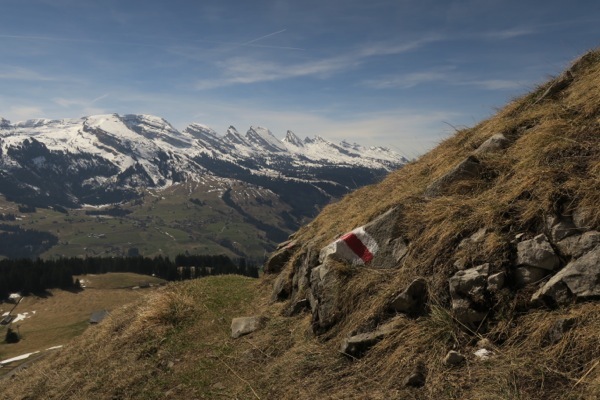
(446, 76)
(57, 39)
(511, 33)
(264, 37)
(8, 72)
(497, 84)
(97, 99)
(410, 80)
(250, 70)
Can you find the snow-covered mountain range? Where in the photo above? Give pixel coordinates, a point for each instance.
(117, 153)
(254, 182)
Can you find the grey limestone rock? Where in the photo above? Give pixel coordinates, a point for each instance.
(467, 288)
(244, 325)
(576, 246)
(453, 358)
(579, 280)
(412, 300)
(469, 282)
(537, 252)
(495, 143)
(282, 287)
(467, 169)
(558, 330)
(496, 281)
(525, 275)
(278, 259)
(357, 345)
(561, 227)
(323, 296)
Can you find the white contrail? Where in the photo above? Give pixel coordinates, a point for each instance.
(264, 37)
(99, 98)
(124, 43)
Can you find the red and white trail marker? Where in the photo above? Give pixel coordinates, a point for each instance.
(357, 246)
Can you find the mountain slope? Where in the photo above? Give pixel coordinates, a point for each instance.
(465, 212)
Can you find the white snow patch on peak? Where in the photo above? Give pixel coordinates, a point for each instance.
(202, 128)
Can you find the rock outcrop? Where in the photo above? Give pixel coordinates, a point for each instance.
(467, 290)
(495, 143)
(412, 300)
(579, 280)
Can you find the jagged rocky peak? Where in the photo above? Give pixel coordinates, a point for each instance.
(263, 138)
(348, 145)
(201, 131)
(291, 138)
(145, 122)
(234, 136)
(4, 123)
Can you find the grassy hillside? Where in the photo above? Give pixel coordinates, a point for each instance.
(188, 217)
(177, 344)
(53, 320)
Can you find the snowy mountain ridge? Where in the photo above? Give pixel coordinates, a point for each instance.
(225, 184)
(114, 154)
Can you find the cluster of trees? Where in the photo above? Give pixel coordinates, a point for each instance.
(16, 242)
(36, 276)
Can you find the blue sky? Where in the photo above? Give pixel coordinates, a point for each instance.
(399, 73)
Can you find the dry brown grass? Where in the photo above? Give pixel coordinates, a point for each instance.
(62, 315)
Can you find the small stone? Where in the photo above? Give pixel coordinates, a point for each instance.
(460, 264)
(470, 282)
(485, 344)
(463, 312)
(244, 325)
(483, 354)
(495, 282)
(453, 358)
(561, 228)
(469, 168)
(577, 245)
(582, 218)
(299, 306)
(278, 259)
(417, 378)
(579, 280)
(526, 275)
(558, 329)
(356, 346)
(537, 252)
(495, 143)
(412, 300)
